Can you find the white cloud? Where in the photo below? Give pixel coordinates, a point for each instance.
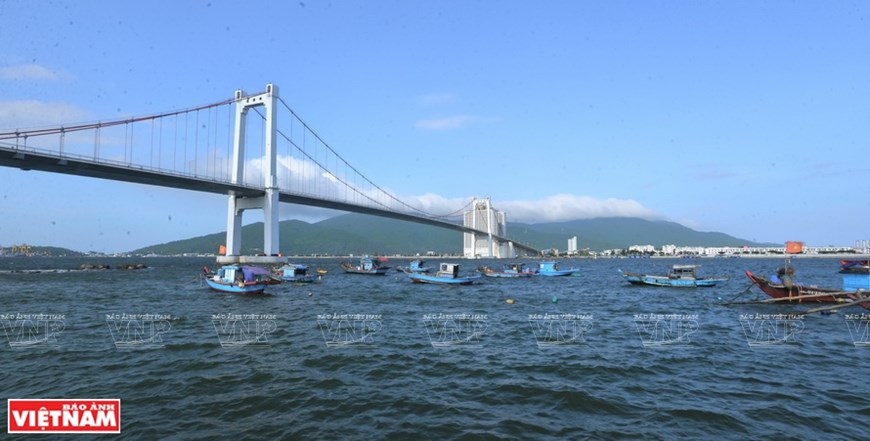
(304, 177)
(565, 207)
(33, 113)
(28, 72)
(556, 208)
(450, 122)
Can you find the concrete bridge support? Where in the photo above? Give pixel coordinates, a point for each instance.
(236, 204)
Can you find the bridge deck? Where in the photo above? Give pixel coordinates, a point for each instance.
(79, 166)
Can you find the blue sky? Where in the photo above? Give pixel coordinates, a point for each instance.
(744, 117)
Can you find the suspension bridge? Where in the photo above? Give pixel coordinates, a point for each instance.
(217, 148)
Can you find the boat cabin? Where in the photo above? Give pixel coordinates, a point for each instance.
(682, 272)
(294, 270)
(449, 270)
(235, 274)
(367, 264)
(516, 268)
(549, 266)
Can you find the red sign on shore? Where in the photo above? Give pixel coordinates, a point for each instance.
(28, 415)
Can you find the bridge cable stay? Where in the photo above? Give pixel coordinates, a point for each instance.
(103, 124)
(99, 126)
(347, 185)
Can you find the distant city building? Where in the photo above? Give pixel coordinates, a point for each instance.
(673, 250)
(572, 246)
(642, 249)
(490, 222)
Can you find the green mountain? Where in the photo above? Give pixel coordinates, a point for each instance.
(365, 234)
(621, 232)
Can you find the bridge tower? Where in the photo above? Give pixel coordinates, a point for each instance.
(485, 218)
(269, 202)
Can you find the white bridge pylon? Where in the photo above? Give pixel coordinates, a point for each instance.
(269, 202)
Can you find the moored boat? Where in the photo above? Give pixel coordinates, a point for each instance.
(510, 270)
(366, 265)
(447, 274)
(238, 279)
(416, 266)
(551, 268)
(296, 272)
(679, 276)
(781, 288)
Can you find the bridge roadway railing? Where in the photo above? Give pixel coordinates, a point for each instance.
(32, 158)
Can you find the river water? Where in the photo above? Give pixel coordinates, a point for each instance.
(366, 357)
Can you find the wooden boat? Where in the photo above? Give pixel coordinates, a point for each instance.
(416, 266)
(238, 279)
(296, 272)
(510, 270)
(779, 289)
(551, 268)
(790, 292)
(679, 276)
(366, 265)
(447, 274)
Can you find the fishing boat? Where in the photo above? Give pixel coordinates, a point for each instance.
(781, 287)
(366, 265)
(296, 272)
(447, 274)
(551, 268)
(510, 271)
(680, 276)
(789, 291)
(416, 266)
(237, 279)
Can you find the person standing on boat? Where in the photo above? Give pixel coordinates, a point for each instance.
(786, 275)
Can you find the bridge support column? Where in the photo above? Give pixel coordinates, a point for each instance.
(269, 203)
(485, 219)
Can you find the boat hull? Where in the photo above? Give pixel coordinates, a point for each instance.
(310, 278)
(645, 279)
(780, 291)
(377, 272)
(559, 273)
(496, 274)
(425, 278)
(366, 267)
(235, 288)
(551, 269)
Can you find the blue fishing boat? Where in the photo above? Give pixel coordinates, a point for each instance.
(681, 276)
(296, 272)
(510, 271)
(238, 279)
(447, 274)
(416, 266)
(551, 268)
(366, 265)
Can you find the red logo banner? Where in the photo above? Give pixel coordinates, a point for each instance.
(64, 416)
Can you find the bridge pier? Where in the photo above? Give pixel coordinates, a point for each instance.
(483, 217)
(269, 203)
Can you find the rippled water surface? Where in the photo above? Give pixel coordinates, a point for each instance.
(363, 357)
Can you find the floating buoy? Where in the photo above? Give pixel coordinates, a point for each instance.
(555, 299)
(510, 301)
(309, 294)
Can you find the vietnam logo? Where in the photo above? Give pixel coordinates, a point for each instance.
(64, 416)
